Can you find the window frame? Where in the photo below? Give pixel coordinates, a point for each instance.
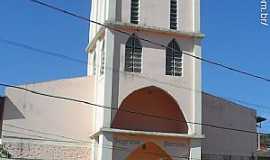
(135, 12)
(95, 63)
(102, 59)
(172, 69)
(174, 14)
(133, 55)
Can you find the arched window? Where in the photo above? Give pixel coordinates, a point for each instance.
(134, 15)
(133, 55)
(173, 14)
(173, 59)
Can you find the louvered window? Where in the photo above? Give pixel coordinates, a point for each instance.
(94, 63)
(133, 55)
(173, 15)
(134, 11)
(174, 59)
(102, 57)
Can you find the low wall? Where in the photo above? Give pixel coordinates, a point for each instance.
(43, 151)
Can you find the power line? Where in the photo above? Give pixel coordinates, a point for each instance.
(109, 147)
(104, 146)
(125, 110)
(41, 51)
(17, 158)
(55, 140)
(35, 92)
(148, 78)
(243, 72)
(117, 148)
(44, 139)
(121, 148)
(37, 136)
(2, 157)
(51, 53)
(37, 139)
(45, 133)
(21, 158)
(81, 101)
(242, 102)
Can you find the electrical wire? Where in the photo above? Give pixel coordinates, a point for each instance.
(125, 110)
(152, 42)
(45, 138)
(148, 78)
(121, 148)
(37, 136)
(45, 133)
(106, 146)
(21, 158)
(2, 157)
(127, 150)
(81, 101)
(41, 51)
(55, 140)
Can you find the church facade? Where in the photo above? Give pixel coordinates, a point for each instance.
(152, 91)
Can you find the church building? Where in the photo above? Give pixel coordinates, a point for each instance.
(144, 91)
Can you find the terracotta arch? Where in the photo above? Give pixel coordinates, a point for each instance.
(135, 108)
(149, 151)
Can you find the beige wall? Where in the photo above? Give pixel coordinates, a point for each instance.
(50, 115)
(220, 112)
(153, 72)
(115, 85)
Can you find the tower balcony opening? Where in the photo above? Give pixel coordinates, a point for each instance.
(150, 109)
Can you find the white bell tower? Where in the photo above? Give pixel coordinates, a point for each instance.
(151, 93)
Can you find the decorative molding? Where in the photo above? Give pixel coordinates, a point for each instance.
(137, 27)
(92, 44)
(130, 132)
(153, 29)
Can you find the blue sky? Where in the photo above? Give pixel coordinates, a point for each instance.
(234, 36)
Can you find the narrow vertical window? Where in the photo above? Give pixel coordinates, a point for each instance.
(94, 63)
(173, 15)
(133, 54)
(173, 59)
(134, 18)
(102, 59)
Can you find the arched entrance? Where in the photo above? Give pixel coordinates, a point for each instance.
(166, 115)
(149, 151)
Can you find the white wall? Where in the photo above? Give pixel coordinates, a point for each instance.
(116, 85)
(182, 89)
(50, 115)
